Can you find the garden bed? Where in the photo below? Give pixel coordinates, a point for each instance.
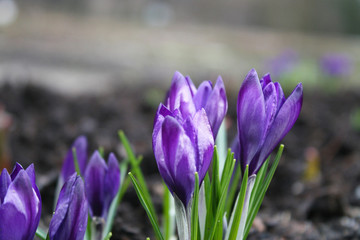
(304, 201)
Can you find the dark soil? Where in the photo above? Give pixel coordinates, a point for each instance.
(304, 201)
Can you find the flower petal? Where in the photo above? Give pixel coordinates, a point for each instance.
(112, 182)
(204, 143)
(283, 122)
(280, 95)
(180, 95)
(202, 95)
(251, 118)
(5, 181)
(15, 171)
(270, 97)
(13, 223)
(191, 85)
(216, 106)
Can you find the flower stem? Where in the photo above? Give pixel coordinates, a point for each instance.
(97, 227)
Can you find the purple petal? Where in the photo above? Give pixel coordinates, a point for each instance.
(251, 118)
(270, 97)
(78, 209)
(15, 171)
(22, 196)
(5, 181)
(202, 95)
(283, 122)
(191, 86)
(180, 95)
(94, 184)
(112, 181)
(204, 143)
(217, 106)
(178, 159)
(80, 144)
(13, 223)
(280, 95)
(265, 80)
(159, 154)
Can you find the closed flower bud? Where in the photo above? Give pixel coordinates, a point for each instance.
(101, 183)
(71, 213)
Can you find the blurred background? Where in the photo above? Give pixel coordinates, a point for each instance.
(94, 67)
(89, 45)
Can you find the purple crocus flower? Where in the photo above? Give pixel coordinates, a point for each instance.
(101, 183)
(335, 65)
(70, 218)
(184, 96)
(80, 144)
(20, 204)
(182, 146)
(264, 118)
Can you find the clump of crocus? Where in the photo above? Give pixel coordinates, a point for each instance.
(80, 145)
(20, 204)
(101, 183)
(184, 97)
(71, 214)
(264, 118)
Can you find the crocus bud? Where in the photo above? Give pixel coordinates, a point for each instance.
(20, 204)
(80, 144)
(182, 147)
(71, 213)
(264, 118)
(184, 96)
(101, 183)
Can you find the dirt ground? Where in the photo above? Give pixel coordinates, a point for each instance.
(315, 193)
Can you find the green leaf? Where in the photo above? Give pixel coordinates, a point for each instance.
(135, 169)
(215, 181)
(261, 192)
(235, 219)
(108, 236)
(76, 162)
(220, 209)
(233, 188)
(101, 151)
(124, 184)
(229, 158)
(40, 233)
(88, 228)
(168, 216)
(195, 210)
(145, 203)
(213, 197)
